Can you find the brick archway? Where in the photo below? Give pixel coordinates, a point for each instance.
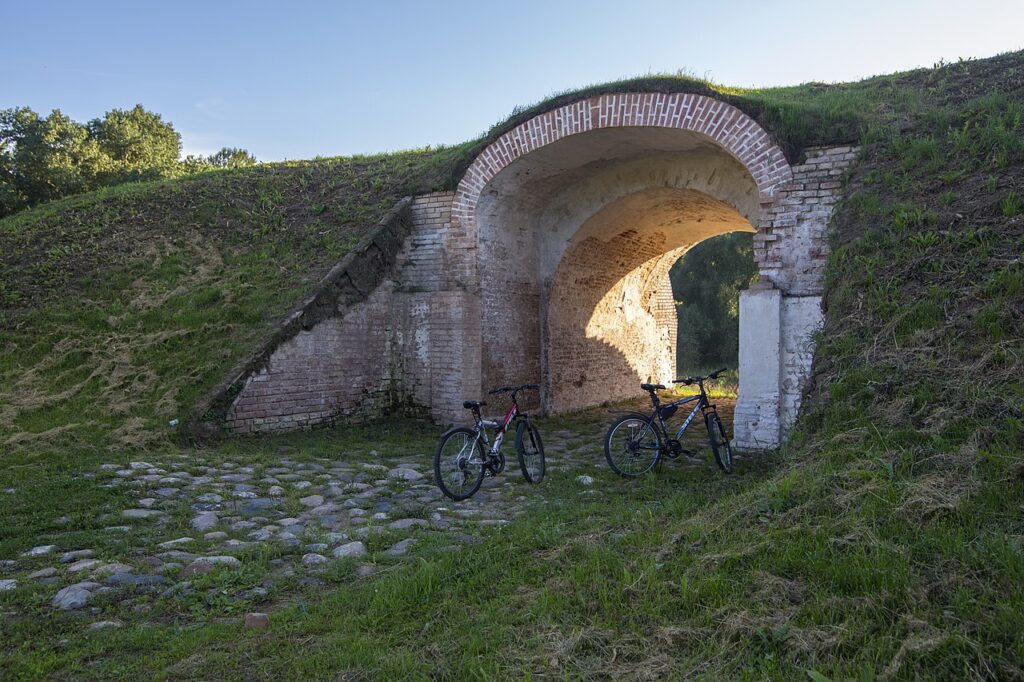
(636, 127)
(482, 264)
(727, 126)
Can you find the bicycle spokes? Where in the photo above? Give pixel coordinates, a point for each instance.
(459, 462)
(531, 455)
(632, 446)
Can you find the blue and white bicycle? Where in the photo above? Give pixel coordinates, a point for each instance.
(636, 442)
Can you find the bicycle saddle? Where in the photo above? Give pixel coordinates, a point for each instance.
(651, 387)
(473, 404)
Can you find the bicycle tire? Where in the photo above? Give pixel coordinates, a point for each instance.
(624, 430)
(719, 442)
(473, 475)
(528, 435)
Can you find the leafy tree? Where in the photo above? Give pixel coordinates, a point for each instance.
(228, 157)
(139, 142)
(48, 158)
(45, 158)
(706, 283)
(10, 194)
(231, 157)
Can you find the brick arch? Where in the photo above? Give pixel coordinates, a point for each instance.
(730, 128)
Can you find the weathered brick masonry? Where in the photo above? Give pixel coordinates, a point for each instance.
(790, 248)
(549, 263)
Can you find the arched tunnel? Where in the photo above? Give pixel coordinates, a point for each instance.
(576, 241)
(549, 263)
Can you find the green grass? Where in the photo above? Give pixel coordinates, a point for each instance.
(120, 309)
(884, 542)
(725, 386)
(845, 564)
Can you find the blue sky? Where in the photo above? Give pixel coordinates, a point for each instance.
(294, 80)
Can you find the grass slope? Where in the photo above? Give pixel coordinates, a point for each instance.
(885, 542)
(122, 307)
(118, 309)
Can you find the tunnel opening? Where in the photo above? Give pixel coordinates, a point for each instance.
(520, 204)
(577, 239)
(706, 285)
(612, 320)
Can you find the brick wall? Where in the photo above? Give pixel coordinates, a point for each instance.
(790, 246)
(613, 321)
(403, 346)
(518, 295)
(339, 368)
(791, 249)
(444, 328)
(510, 295)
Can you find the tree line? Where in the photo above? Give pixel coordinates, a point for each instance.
(46, 158)
(706, 284)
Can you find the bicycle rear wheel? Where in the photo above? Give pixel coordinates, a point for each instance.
(459, 463)
(719, 442)
(531, 452)
(632, 446)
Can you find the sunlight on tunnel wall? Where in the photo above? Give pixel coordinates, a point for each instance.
(635, 319)
(611, 316)
(559, 229)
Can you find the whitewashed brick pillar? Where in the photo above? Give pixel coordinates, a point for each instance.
(757, 407)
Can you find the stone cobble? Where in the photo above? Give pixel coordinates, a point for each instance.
(192, 516)
(204, 517)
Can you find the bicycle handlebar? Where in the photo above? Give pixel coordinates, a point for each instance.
(513, 389)
(693, 380)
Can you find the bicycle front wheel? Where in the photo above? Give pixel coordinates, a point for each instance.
(531, 452)
(632, 446)
(459, 463)
(719, 442)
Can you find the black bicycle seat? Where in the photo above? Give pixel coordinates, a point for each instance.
(473, 404)
(651, 387)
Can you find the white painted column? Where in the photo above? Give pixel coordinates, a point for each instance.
(756, 422)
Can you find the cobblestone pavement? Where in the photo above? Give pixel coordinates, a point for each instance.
(201, 526)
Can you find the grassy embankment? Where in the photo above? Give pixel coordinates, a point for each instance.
(884, 542)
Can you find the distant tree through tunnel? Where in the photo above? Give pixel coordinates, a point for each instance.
(706, 285)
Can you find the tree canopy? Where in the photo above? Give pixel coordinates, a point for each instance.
(42, 159)
(706, 284)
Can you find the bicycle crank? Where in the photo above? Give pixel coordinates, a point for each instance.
(495, 465)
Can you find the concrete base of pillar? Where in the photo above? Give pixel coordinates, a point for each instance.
(757, 406)
(776, 351)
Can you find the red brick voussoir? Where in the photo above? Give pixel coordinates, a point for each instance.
(727, 126)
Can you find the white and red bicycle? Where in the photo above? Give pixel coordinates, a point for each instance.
(464, 455)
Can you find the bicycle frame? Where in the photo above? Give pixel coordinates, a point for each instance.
(465, 455)
(657, 421)
(502, 429)
(693, 413)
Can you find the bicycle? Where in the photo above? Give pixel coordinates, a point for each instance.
(464, 457)
(636, 442)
